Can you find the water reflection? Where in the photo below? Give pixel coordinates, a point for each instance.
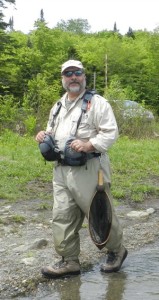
(116, 286)
(70, 289)
(102, 286)
(60, 289)
(90, 286)
(138, 279)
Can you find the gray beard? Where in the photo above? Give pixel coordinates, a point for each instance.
(75, 89)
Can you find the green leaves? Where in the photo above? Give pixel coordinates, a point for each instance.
(30, 63)
(77, 26)
(3, 3)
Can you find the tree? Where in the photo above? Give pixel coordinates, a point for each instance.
(42, 19)
(74, 25)
(5, 49)
(130, 33)
(30, 64)
(11, 24)
(40, 22)
(3, 25)
(115, 28)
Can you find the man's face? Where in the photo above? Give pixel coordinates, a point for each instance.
(73, 80)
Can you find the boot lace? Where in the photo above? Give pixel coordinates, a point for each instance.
(60, 264)
(111, 257)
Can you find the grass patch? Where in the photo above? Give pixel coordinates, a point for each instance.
(18, 219)
(135, 165)
(23, 170)
(44, 206)
(24, 174)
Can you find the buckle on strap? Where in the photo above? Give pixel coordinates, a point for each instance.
(92, 155)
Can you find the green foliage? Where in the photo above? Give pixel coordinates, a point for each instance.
(12, 117)
(8, 111)
(134, 127)
(137, 127)
(44, 206)
(77, 26)
(30, 68)
(3, 3)
(115, 91)
(40, 98)
(18, 219)
(30, 125)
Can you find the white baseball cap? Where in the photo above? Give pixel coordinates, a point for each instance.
(71, 63)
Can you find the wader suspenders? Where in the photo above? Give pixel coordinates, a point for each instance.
(59, 104)
(86, 101)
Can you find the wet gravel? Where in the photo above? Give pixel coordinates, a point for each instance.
(27, 243)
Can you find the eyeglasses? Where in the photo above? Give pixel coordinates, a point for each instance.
(70, 73)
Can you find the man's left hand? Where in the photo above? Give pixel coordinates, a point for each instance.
(79, 146)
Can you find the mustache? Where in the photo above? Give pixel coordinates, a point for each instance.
(74, 81)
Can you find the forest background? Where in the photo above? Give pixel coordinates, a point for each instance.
(117, 66)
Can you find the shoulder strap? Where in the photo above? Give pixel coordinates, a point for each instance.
(58, 107)
(87, 97)
(56, 112)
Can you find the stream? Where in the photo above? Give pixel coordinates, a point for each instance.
(138, 279)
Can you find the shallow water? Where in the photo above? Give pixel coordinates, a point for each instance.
(138, 279)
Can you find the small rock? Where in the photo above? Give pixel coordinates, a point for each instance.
(28, 261)
(141, 213)
(39, 243)
(137, 214)
(5, 209)
(150, 210)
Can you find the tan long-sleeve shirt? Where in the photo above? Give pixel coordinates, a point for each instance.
(98, 125)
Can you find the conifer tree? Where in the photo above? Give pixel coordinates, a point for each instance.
(3, 3)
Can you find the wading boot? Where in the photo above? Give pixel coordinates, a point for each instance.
(114, 260)
(62, 269)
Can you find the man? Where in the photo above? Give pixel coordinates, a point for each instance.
(74, 186)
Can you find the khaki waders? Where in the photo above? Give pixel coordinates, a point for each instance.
(74, 188)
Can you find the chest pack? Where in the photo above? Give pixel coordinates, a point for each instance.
(70, 157)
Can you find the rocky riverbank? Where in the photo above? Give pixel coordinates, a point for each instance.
(27, 243)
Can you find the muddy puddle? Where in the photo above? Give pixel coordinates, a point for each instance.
(138, 279)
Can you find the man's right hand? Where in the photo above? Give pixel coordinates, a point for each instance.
(40, 136)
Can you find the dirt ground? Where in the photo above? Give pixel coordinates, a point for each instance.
(27, 242)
